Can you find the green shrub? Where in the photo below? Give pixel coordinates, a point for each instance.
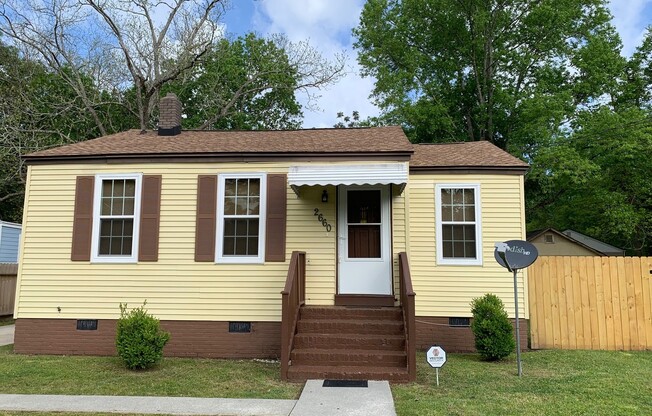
(493, 331)
(139, 338)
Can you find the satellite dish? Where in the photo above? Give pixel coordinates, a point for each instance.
(515, 255)
(519, 254)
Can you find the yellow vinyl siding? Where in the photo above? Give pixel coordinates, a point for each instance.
(399, 235)
(175, 287)
(448, 290)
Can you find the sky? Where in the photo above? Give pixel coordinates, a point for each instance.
(327, 24)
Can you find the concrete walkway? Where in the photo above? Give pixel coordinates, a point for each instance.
(149, 405)
(315, 400)
(7, 334)
(374, 400)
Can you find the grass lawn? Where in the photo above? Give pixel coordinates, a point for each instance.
(7, 320)
(553, 383)
(173, 377)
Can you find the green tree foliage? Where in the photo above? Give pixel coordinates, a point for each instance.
(593, 177)
(139, 339)
(81, 69)
(510, 72)
(637, 86)
(494, 338)
(38, 110)
(137, 47)
(597, 179)
(245, 84)
(543, 79)
(353, 121)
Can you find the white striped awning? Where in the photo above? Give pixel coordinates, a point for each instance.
(371, 174)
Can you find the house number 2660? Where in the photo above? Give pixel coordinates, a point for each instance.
(322, 220)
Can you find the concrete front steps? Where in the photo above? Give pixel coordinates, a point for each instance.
(349, 343)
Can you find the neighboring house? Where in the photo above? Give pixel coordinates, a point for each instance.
(550, 242)
(600, 246)
(9, 247)
(9, 241)
(210, 226)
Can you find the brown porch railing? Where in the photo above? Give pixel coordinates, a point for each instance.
(293, 297)
(407, 302)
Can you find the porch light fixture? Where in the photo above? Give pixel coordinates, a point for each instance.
(324, 196)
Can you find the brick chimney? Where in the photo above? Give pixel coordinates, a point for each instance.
(169, 123)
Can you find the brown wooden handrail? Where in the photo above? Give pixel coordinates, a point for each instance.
(407, 302)
(293, 297)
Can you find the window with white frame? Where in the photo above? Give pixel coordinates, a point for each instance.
(116, 208)
(241, 218)
(459, 232)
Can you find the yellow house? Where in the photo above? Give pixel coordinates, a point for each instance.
(377, 245)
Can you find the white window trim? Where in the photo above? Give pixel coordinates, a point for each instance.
(478, 226)
(97, 197)
(219, 237)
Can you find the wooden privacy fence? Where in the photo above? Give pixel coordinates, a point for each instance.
(598, 303)
(7, 288)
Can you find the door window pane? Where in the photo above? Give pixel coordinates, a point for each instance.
(363, 223)
(363, 207)
(364, 241)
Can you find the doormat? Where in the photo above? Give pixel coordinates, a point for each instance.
(345, 383)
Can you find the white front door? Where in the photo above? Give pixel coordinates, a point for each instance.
(365, 257)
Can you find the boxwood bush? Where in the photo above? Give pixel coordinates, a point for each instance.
(493, 331)
(139, 338)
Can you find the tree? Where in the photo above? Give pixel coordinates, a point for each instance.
(133, 48)
(637, 85)
(593, 176)
(144, 43)
(37, 110)
(79, 69)
(348, 121)
(596, 179)
(251, 82)
(353, 121)
(511, 72)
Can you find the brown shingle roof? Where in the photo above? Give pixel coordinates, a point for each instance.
(132, 143)
(469, 155)
(367, 141)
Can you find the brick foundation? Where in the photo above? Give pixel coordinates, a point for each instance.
(436, 331)
(209, 339)
(188, 339)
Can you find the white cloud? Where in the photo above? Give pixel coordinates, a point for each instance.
(348, 95)
(327, 24)
(630, 18)
(319, 20)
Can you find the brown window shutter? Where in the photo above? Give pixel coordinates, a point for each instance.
(206, 218)
(150, 214)
(82, 226)
(276, 217)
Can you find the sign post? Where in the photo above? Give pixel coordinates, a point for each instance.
(436, 357)
(515, 255)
